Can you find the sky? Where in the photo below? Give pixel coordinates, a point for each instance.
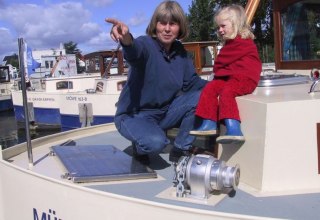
(45, 24)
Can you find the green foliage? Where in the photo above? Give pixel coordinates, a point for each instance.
(200, 19)
(71, 48)
(13, 60)
(202, 27)
(314, 30)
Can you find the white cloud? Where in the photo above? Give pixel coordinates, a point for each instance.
(102, 41)
(138, 19)
(99, 3)
(47, 26)
(8, 45)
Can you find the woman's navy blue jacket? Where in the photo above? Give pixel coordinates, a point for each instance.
(155, 78)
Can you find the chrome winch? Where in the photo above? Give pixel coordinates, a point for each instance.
(197, 176)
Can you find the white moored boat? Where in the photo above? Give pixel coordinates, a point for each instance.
(6, 83)
(61, 101)
(59, 97)
(89, 173)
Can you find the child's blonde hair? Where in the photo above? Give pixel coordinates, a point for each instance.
(237, 16)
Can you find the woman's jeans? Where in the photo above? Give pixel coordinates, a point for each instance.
(147, 128)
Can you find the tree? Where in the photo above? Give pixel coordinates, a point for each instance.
(72, 48)
(13, 60)
(263, 30)
(200, 19)
(202, 27)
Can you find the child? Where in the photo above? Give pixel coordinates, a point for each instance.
(237, 71)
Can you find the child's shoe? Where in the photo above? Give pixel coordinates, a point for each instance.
(208, 127)
(233, 135)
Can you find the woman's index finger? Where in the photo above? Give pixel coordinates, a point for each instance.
(112, 21)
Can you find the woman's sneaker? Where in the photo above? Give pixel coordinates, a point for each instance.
(176, 153)
(142, 158)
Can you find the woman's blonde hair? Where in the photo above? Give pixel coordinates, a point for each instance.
(169, 11)
(237, 16)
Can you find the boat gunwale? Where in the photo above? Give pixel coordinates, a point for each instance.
(21, 148)
(62, 136)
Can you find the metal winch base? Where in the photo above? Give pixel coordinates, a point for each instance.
(199, 175)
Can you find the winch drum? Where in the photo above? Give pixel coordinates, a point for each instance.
(205, 174)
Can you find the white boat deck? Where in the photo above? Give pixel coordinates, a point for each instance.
(160, 190)
(273, 184)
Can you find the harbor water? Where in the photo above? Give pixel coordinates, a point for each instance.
(12, 133)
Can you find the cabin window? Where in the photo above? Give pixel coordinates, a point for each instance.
(100, 87)
(64, 85)
(300, 24)
(120, 85)
(4, 75)
(207, 56)
(48, 64)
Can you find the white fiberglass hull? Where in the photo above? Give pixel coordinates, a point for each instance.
(279, 171)
(38, 193)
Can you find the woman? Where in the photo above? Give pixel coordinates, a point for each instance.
(163, 88)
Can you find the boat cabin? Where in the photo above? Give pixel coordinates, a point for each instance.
(111, 62)
(280, 119)
(106, 62)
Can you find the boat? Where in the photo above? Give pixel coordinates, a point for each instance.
(5, 89)
(56, 101)
(82, 109)
(89, 173)
(63, 99)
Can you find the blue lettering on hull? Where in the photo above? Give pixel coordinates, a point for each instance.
(50, 215)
